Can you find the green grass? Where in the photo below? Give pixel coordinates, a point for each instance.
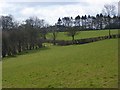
(83, 34)
(93, 65)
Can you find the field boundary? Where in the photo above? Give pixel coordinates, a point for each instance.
(82, 41)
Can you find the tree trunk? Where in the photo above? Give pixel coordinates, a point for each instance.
(109, 31)
(19, 47)
(54, 38)
(101, 25)
(3, 53)
(9, 52)
(30, 47)
(54, 41)
(72, 39)
(82, 24)
(44, 37)
(14, 51)
(27, 46)
(109, 34)
(85, 23)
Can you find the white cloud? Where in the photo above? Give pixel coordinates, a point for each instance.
(52, 12)
(27, 11)
(40, 0)
(2, 5)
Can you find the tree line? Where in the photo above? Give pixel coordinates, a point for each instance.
(108, 19)
(18, 37)
(99, 21)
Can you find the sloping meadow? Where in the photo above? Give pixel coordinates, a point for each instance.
(93, 65)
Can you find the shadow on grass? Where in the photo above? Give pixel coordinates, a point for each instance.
(28, 52)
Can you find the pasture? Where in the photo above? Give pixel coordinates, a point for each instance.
(93, 65)
(83, 34)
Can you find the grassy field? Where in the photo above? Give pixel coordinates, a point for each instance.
(93, 65)
(83, 34)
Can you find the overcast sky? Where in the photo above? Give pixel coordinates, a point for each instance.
(51, 10)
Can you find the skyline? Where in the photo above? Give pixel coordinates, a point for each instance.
(50, 10)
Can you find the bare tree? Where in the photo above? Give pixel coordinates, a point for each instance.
(72, 31)
(17, 38)
(54, 30)
(109, 11)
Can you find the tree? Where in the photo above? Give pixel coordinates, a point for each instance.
(8, 35)
(59, 22)
(89, 19)
(97, 21)
(7, 22)
(67, 21)
(85, 18)
(93, 22)
(32, 28)
(72, 31)
(20, 37)
(101, 21)
(82, 18)
(77, 20)
(54, 30)
(4, 44)
(115, 22)
(109, 10)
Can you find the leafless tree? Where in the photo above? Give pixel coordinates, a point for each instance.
(54, 31)
(72, 31)
(109, 10)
